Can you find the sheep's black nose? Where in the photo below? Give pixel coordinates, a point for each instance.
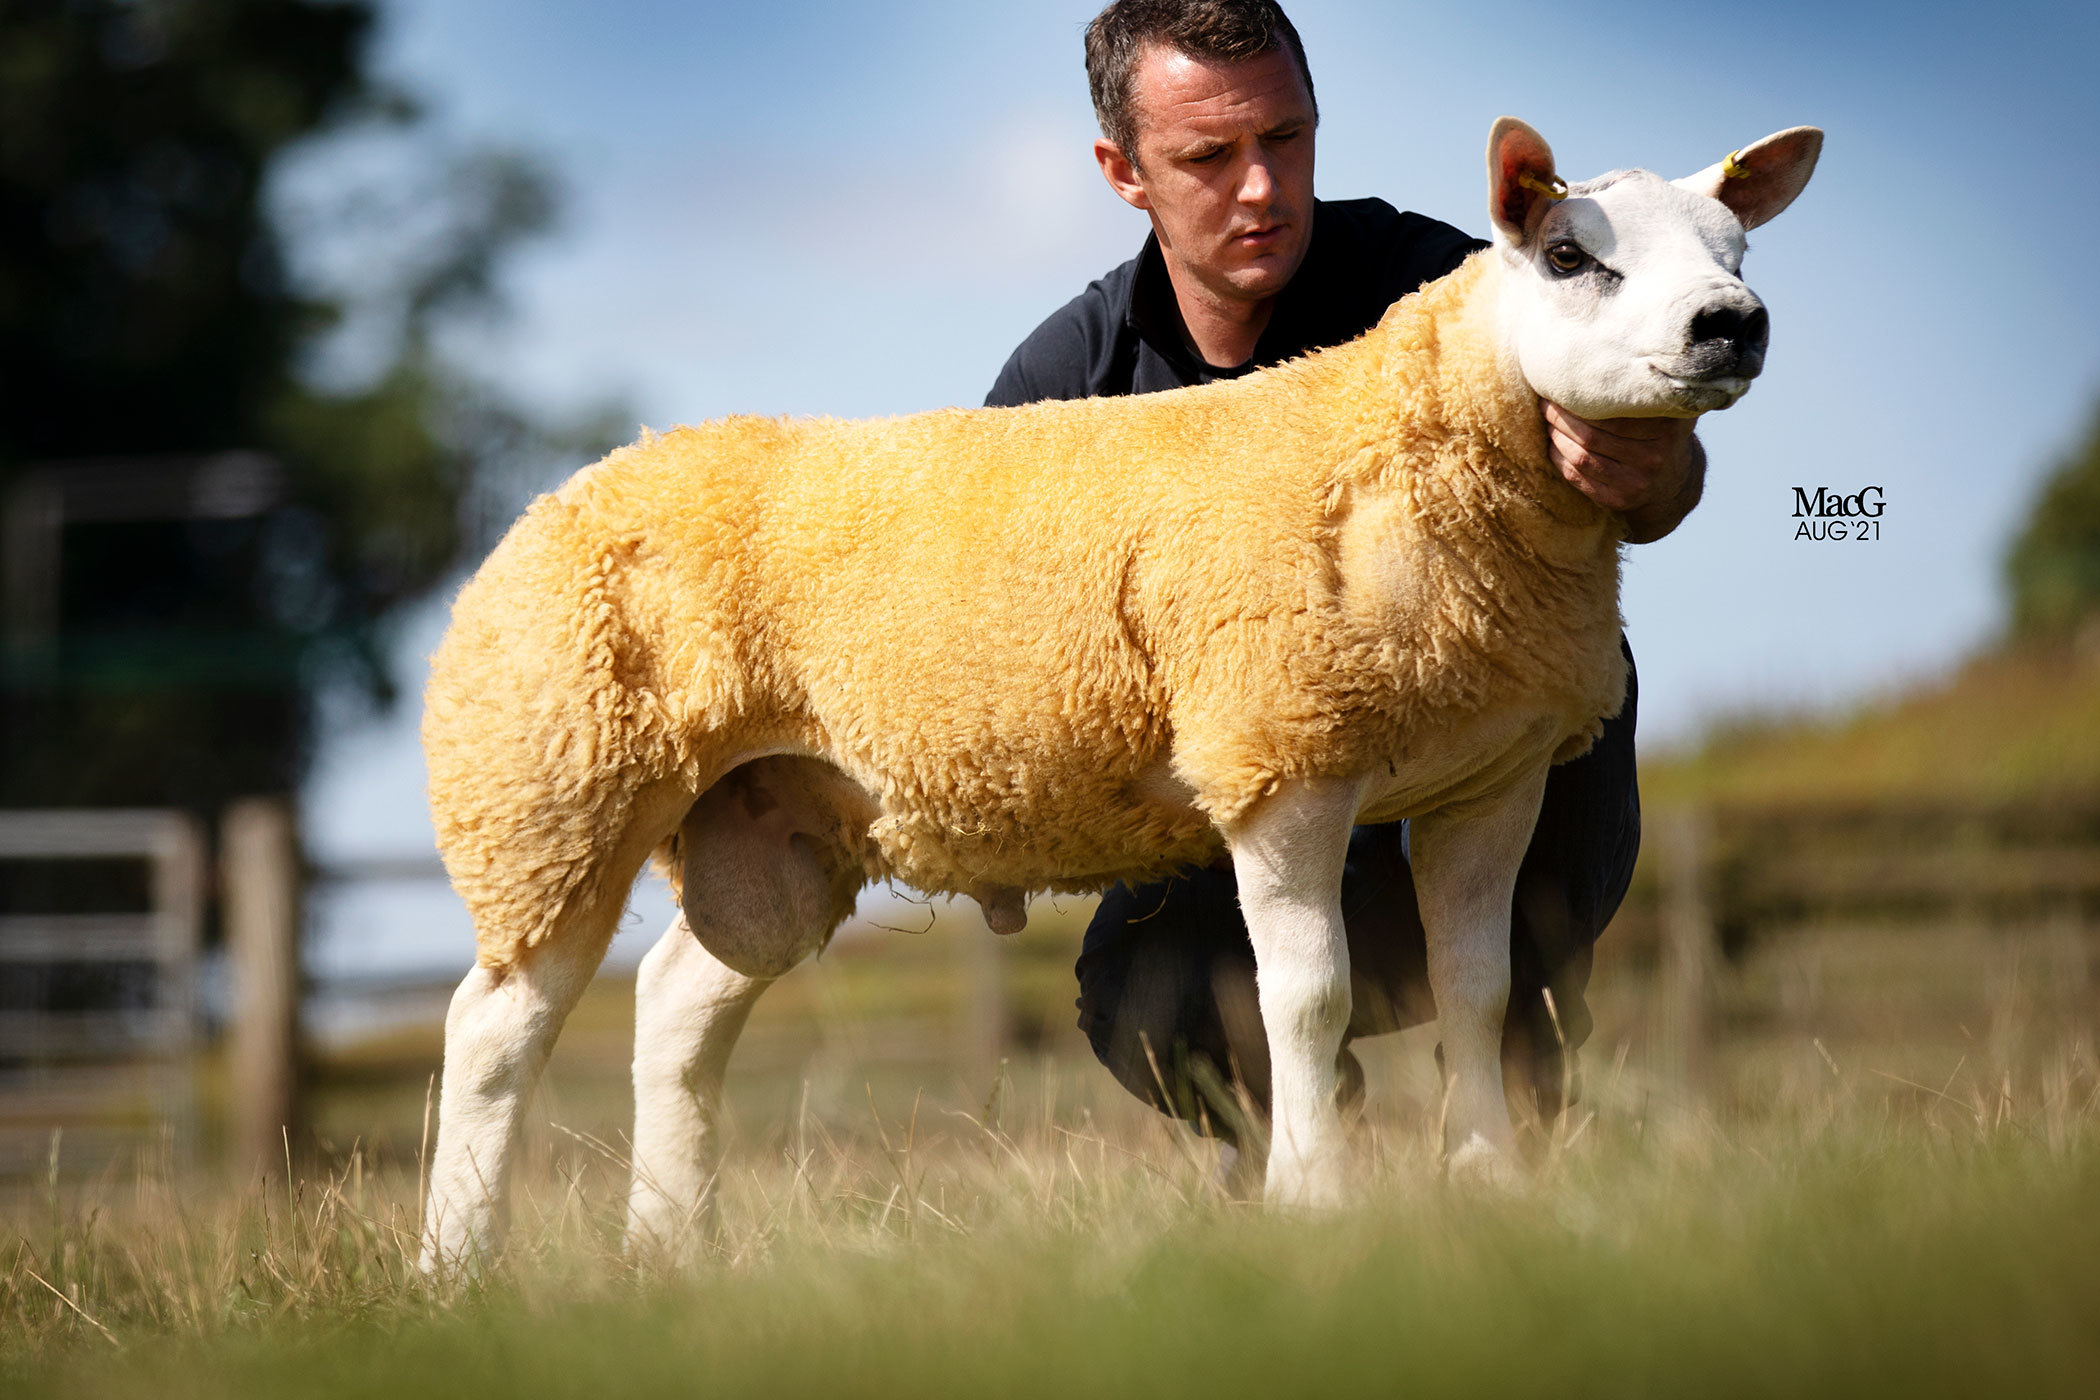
(1741, 332)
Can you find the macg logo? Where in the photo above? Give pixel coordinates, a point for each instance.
(1831, 515)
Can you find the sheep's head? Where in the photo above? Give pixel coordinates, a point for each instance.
(1620, 295)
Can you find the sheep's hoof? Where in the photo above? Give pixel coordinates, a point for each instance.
(1240, 1173)
(1481, 1166)
(1315, 1188)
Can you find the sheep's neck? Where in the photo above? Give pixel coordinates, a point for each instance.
(1466, 441)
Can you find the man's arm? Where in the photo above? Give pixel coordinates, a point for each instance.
(1650, 470)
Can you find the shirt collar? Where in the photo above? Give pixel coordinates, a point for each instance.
(1155, 314)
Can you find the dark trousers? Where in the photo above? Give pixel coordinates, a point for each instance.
(1166, 975)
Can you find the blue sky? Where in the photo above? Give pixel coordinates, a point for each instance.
(858, 210)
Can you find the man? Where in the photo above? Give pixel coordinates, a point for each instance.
(1208, 122)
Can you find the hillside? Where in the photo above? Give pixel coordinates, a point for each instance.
(2012, 724)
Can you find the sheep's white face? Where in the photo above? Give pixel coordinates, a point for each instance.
(1623, 299)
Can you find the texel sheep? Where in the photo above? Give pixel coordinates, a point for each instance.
(1002, 651)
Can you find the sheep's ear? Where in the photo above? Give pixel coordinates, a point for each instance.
(1521, 182)
(1758, 182)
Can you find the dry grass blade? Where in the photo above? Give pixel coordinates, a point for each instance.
(83, 1313)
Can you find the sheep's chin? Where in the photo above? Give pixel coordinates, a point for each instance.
(1666, 395)
(1675, 400)
(1691, 396)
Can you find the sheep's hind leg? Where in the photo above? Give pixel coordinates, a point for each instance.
(1465, 862)
(578, 865)
(498, 1034)
(689, 1009)
(760, 891)
(1288, 857)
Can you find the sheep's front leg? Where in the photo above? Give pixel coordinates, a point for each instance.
(1465, 860)
(1288, 857)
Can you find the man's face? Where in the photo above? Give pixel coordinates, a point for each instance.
(1224, 167)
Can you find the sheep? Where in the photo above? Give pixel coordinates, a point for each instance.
(791, 657)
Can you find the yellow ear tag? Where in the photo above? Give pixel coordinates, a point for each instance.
(1558, 189)
(1733, 169)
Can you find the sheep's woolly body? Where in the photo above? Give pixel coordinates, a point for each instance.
(1051, 646)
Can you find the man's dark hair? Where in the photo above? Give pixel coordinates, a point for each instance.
(1228, 30)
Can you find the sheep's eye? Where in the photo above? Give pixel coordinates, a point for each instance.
(1566, 257)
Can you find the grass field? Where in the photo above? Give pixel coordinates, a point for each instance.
(1857, 1236)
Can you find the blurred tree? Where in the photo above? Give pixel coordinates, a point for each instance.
(2053, 567)
(147, 309)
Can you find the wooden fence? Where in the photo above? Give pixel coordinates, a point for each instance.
(1717, 883)
(100, 1019)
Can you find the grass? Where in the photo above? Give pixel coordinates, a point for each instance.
(1860, 1237)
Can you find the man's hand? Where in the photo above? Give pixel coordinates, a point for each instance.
(1650, 470)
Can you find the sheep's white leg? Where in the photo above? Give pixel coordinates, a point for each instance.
(1288, 857)
(498, 1034)
(1465, 860)
(689, 1009)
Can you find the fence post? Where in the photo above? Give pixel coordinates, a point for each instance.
(1689, 951)
(261, 870)
(180, 878)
